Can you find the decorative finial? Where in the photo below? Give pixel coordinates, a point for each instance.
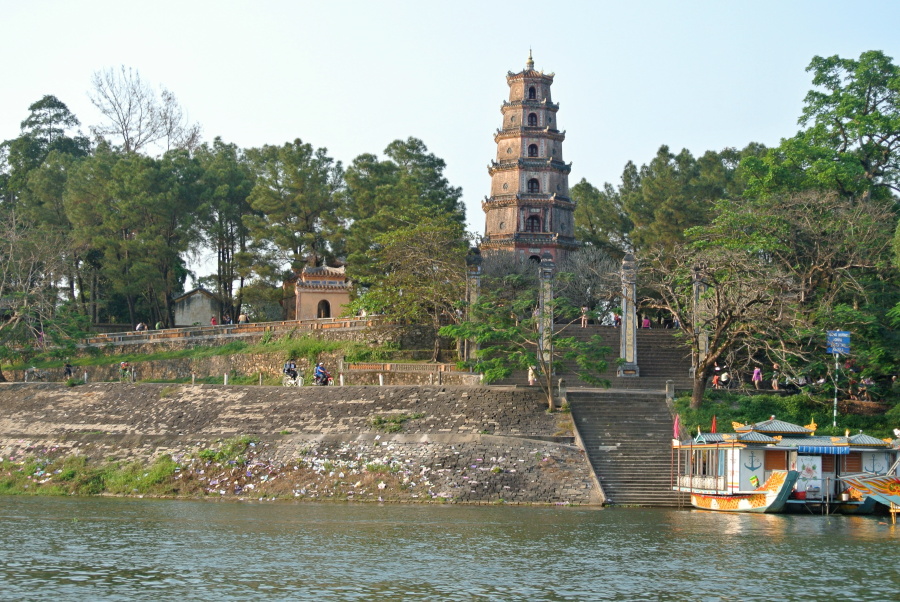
(530, 64)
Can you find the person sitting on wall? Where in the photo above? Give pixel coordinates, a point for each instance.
(290, 368)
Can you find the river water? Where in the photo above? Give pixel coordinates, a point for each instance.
(117, 549)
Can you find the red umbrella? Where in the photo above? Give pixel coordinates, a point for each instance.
(713, 428)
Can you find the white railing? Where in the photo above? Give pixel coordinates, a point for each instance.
(716, 483)
(187, 332)
(395, 367)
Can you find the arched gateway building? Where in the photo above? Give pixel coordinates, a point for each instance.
(529, 211)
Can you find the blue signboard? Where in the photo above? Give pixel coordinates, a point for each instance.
(838, 342)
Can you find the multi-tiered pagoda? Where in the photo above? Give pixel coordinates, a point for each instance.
(529, 211)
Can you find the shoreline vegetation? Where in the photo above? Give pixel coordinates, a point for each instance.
(233, 469)
(873, 418)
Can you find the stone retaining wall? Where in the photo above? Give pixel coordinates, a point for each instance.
(465, 444)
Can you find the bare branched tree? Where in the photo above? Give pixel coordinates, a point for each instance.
(728, 297)
(754, 281)
(30, 268)
(589, 277)
(138, 117)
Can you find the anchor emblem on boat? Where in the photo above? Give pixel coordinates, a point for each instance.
(753, 465)
(873, 468)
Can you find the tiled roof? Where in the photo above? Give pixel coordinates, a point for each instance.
(864, 440)
(775, 427)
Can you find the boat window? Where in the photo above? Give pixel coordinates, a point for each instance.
(776, 460)
(853, 462)
(827, 463)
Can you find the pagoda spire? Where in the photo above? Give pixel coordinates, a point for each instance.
(529, 212)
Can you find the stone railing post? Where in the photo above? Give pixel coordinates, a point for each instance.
(628, 328)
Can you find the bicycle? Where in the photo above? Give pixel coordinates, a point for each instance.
(35, 374)
(288, 381)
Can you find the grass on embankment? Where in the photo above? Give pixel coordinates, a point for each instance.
(237, 468)
(49, 473)
(290, 345)
(797, 409)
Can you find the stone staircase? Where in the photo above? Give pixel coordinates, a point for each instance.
(627, 436)
(660, 357)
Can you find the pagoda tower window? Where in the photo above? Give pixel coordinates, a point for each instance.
(533, 224)
(532, 150)
(534, 185)
(532, 119)
(532, 93)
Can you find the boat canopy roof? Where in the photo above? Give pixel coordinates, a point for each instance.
(772, 426)
(779, 434)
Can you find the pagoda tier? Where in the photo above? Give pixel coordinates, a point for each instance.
(529, 211)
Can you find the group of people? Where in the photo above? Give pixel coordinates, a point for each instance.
(586, 317)
(616, 319)
(320, 374)
(226, 319)
(142, 327)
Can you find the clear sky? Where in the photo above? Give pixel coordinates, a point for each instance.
(352, 76)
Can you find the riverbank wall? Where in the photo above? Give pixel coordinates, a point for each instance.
(391, 443)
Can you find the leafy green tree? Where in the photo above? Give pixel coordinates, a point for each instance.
(506, 330)
(45, 130)
(852, 119)
(771, 274)
(423, 274)
(380, 195)
(675, 192)
(225, 186)
(293, 208)
(138, 213)
(600, 218)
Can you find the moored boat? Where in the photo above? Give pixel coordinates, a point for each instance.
(884, 489)
(800, 472)
(771, 496)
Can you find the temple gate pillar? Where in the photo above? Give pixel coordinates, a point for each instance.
(628, 328)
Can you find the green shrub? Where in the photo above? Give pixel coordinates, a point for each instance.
(231, 450)
(392, 423)
(801, 409)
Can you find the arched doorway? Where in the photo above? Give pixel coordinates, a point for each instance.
(324, 309)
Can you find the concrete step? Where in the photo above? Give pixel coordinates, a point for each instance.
(627, 440)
